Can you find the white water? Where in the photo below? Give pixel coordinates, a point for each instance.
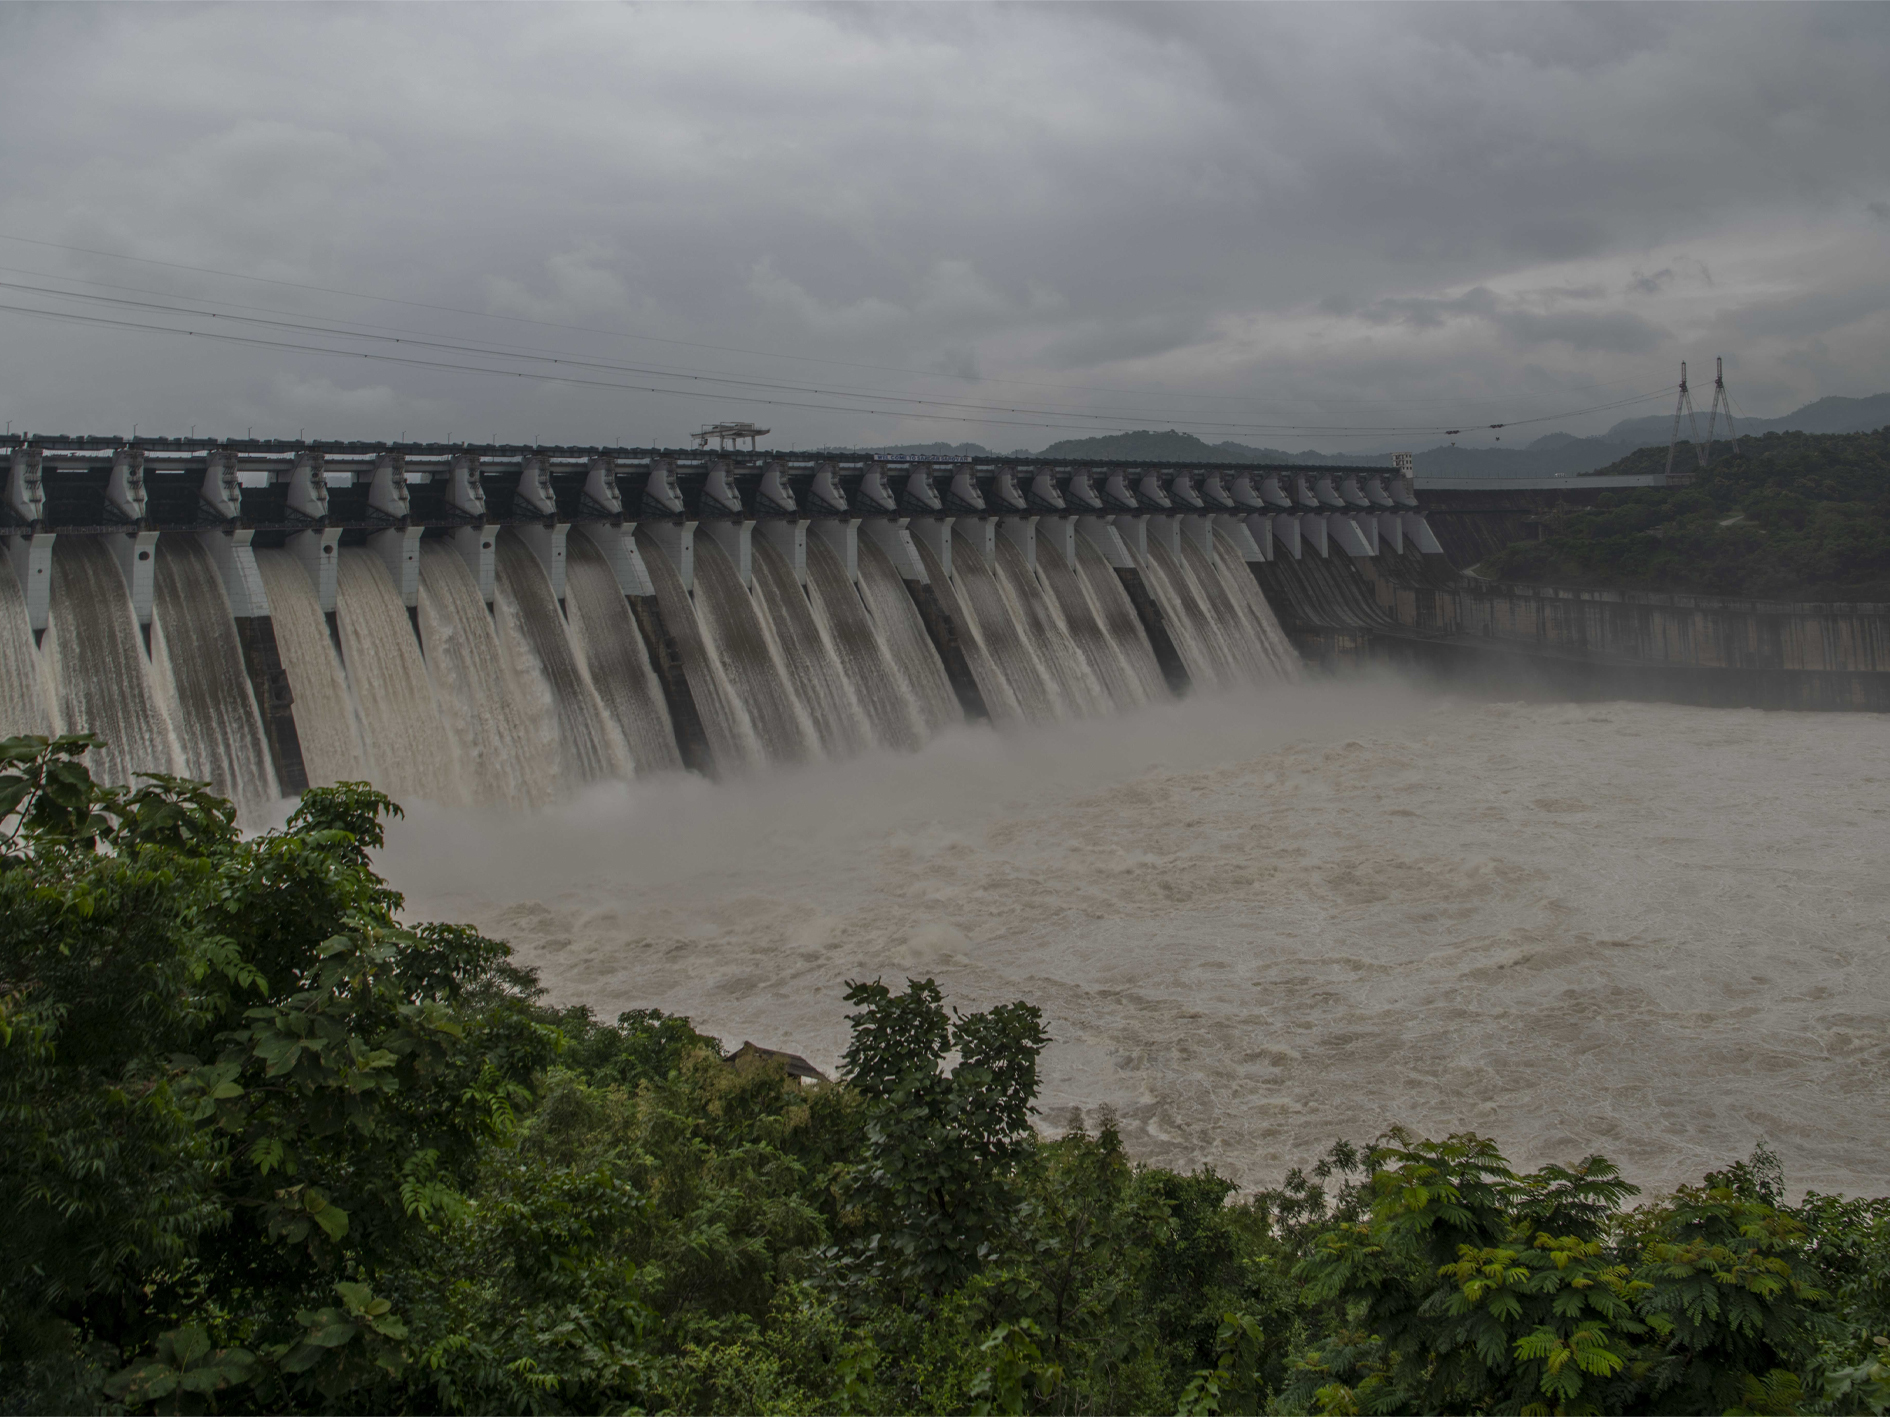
(94, 659)
(501, 716)
(324, 713)
(527, 701)
(1261, 921)
(742, 641)
(927, 692)
(1276, 659)
(733, 741)
(1040, 619)
(823, 687)
(1197, 638)
(588, 747)
(409, 756)
(1020, 657)
(202, 679)
(1140, 680)
(1005, 701)
(25, 706)
(618, 664)
(894, 709)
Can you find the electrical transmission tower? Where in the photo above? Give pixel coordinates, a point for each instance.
(1683, 404)
(1721, 399)
(1702, 452)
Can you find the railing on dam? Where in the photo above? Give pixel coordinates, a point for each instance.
(314, 498)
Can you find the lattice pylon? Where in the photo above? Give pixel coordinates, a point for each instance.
(1683, 404)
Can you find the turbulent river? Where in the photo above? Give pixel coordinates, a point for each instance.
(1265, 920)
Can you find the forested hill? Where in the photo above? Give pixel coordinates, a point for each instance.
(1552, 455)
(1828, 415)
(1174, 446)
(1789, 516)
(1556, 455)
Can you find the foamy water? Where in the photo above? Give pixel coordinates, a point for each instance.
(1260, 922)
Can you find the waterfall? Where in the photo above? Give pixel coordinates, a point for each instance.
(536, 643)
(24, 704)
(743, 642)
(813, 668)
(324, 713)
(890, 694)
(1277, 655)
(505, 740)
(1000, 697)
(1119, 646)
(619, 664)
(993, 618)
(526, 700)
(927, 692)
(1236, 637)
(733, 741)
(1040, 617)
(98, 670)
(1197, 638)
(401, 727)
(212, 708)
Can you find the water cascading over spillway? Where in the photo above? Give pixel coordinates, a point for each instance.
(502, 627)
(195, 649)
(325, 717)
(733, 742)
(904, 703)
(501, 722)
(523, 700)
(619, 665)
(742, 641)
(591, 750)
(815, 671)
(1070, 676)
(1276, 658)
(1103, 623)
(98, 667)
(24, 705)
(402, 730)
(1201, 642)
(908, 649)
(1003, 701)
(1008, 655)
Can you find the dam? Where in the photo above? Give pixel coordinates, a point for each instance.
(493, 625)
(502, 625)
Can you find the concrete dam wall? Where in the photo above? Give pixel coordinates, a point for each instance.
(507, 626)
(1586, 643)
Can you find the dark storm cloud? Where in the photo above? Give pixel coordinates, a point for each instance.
(1331, 210)
(1614, 331)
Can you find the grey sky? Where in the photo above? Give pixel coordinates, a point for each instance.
(1244, 221)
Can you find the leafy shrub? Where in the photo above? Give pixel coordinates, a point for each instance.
(268, 1149)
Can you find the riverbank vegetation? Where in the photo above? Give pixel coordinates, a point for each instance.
(270, 1149)
(1789, 516)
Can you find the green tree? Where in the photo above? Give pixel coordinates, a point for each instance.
(942, 1144)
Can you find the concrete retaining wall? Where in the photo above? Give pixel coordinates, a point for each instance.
(1594, 643)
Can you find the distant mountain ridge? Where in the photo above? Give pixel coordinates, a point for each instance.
(1826, 415)
(1552, 455)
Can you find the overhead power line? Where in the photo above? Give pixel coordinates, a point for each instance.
(969, 412)
(661, 339)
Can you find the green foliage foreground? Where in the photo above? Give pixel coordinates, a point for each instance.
(269, 1149)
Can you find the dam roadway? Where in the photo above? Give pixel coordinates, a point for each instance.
(1037, 589)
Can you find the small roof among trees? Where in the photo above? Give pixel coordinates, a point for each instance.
(797, 1066)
